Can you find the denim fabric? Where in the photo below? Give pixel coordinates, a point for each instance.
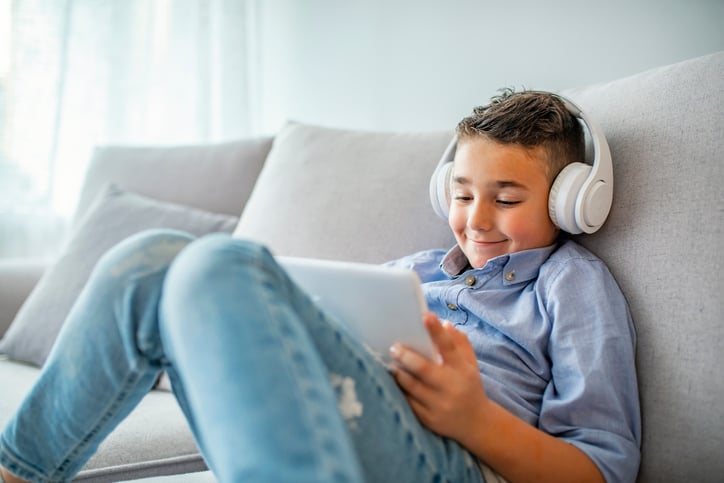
(272, 388)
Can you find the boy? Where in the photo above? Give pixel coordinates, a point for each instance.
(535, 375)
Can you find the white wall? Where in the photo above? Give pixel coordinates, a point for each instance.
(423, 64)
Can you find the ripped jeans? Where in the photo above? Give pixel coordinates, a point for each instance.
(273, 390)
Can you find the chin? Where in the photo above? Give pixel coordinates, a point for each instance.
(478, 261)
(479, 257)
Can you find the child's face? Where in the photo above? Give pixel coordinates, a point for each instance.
(499, 200)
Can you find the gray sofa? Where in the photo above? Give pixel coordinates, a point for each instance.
(341, 194)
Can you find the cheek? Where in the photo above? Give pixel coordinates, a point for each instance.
(456, 220)
(532, 228)
(517, 227)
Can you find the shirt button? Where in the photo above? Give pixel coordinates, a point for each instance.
(470, 280)
(510, 276)
(452, 306)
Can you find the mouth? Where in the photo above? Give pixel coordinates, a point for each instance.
(486, 243)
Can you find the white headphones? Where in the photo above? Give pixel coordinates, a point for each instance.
(580, 197)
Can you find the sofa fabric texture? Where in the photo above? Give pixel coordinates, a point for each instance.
(346, 195)
(664, 242)
(363, 196)
(17, 279)
(214, 177)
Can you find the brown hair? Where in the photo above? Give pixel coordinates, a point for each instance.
(529, 119)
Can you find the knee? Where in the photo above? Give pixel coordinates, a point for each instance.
(144, 252)
(216, 264)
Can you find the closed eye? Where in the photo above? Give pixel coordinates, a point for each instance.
(507, 202)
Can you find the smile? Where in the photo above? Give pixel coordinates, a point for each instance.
(485, 243)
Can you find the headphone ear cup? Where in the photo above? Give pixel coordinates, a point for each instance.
(564, 194)
(440, 180)
(440, 190)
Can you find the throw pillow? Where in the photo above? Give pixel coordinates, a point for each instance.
(215, 177)
(115, 215)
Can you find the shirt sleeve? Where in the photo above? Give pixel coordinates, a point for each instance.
(592, 400)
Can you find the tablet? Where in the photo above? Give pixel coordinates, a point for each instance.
(378, 305)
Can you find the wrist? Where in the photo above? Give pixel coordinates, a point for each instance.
(482, 427)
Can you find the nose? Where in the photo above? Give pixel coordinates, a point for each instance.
(480, 217)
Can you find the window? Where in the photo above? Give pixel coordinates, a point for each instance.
(82, 73)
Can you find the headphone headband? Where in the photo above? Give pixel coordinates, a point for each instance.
(581, 195)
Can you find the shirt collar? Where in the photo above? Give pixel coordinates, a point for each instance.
(517, 267)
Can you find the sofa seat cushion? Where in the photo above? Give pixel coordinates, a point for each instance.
(154, 440)
(198, 477)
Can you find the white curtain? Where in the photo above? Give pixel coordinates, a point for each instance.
(78, 73)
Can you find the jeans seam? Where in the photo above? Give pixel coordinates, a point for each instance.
(287, 345)
(108, 413)
(375, 380)
(11, 461)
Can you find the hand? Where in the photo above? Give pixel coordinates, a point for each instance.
(445, 394)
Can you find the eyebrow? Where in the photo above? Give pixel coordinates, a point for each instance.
(498, 184)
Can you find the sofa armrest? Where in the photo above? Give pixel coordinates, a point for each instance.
(17, 279)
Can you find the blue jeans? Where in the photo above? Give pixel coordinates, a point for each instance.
(273, 390)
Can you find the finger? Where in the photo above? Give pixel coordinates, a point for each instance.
(413, 387)
(443, 339)
(462, 343)
(433, 325)
(409, 359)
(421, 411)
(416, 364)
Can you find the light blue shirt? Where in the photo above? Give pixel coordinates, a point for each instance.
(554, 340)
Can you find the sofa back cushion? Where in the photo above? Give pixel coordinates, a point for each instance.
(347, 195)
(214, 177)
(664, 241)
